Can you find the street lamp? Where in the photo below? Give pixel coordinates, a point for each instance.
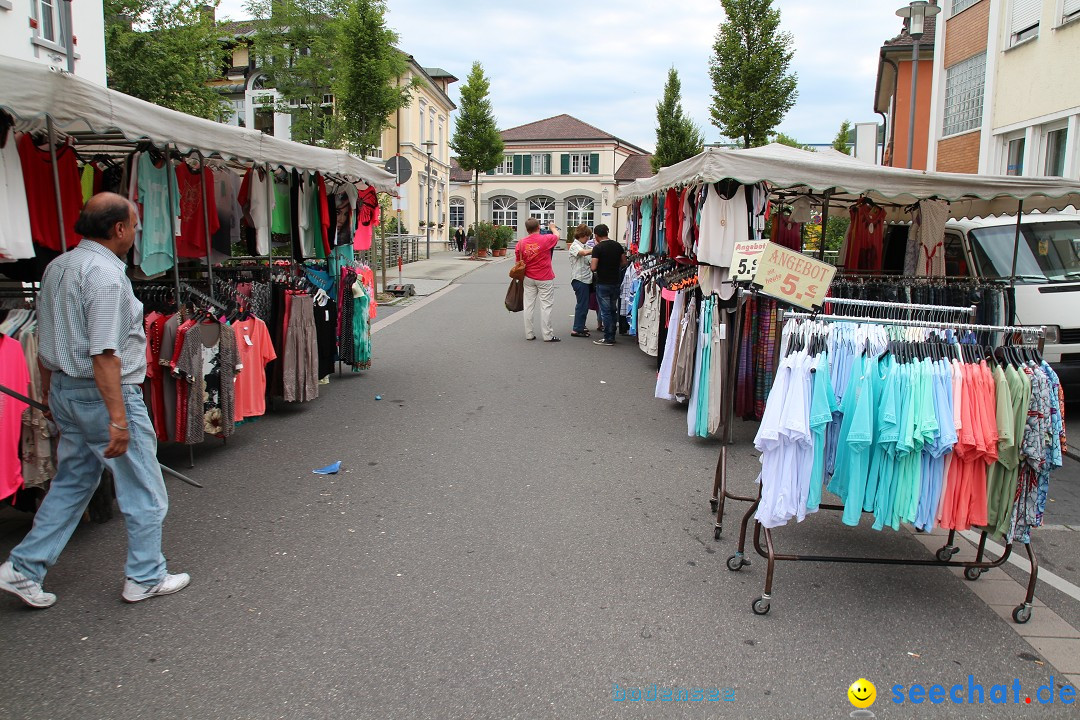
(428, 144)
(916, 12)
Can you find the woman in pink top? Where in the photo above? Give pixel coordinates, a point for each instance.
(535, 251)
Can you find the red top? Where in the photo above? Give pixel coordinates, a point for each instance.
(192, 241)
(867, 237)
(535, 250)
(324, 213)
(673, 222)
(41, 197)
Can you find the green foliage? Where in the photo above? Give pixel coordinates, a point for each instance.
(390, 225)
(485, 235)
(752, 88)
(784, 139)
(504, 235)
(834, 234)
(164, 51)
(476, 139)
(677, 137)
(840, 142)
(295, 42)
(367, 66)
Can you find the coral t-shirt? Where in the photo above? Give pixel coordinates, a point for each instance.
(15, 375)
(256, 350)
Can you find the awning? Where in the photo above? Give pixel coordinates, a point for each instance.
(31, 91)
(803, 171)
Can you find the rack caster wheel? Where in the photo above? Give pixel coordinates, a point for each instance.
(1021, 614)
(735, 563)
(945, 554)
(973, 573)
(760, 606)
(717, 531)
(714, 504)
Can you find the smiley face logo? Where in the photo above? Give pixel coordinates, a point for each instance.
(862, 693)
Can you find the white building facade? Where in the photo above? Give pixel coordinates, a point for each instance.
(37, 30)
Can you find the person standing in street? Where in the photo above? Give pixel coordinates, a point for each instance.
(459, 238)
(581, 272)
(92, 351)
(535, 250)
(608, 258)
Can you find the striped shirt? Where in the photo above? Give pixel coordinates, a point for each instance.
(86, 306)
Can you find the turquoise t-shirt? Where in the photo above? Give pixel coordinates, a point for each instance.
(859, 438)
(822, 406)
(645, 245)
(156, 239)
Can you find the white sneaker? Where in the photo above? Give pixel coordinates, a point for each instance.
(24, 588)
(134, 592)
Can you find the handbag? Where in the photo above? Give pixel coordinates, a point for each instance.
(515, 296)
(518, 271)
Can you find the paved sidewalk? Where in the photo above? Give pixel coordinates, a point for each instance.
(431, 276)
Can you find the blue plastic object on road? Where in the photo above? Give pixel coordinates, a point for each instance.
(378, 397)
(331, 469)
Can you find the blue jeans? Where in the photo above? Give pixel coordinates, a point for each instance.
(607, 297)
(581, 308)
(80, 414)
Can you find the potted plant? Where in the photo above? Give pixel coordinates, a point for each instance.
(504, 236)
(485, 238)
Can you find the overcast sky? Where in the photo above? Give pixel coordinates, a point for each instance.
(606, 61)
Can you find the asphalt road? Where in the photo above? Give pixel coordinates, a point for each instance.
(517, 528)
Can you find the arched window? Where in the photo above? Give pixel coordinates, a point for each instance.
(504, 211)
(543, 209)
(580, 210)
(457, 212)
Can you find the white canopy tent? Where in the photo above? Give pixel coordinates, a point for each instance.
(32, 93)
(845, 180)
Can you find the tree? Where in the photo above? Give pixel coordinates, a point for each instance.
(752, 88)
(295, 42)
(476, 140)
(840, 142)
(677, 136)
(785, 139)
(367, 89)
(164, 51)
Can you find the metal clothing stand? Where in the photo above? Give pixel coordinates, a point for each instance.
(972, 569)
(720, 493)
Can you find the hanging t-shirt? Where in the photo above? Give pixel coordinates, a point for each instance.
(259, 204)
(191, 242)
(14, 374)
(226, 190)
(281, 221)
(645, 244)
(673, 222)
(344, 220)
(158, 217)
(368, 216)
(256, 350)
(41, 195)
(15, 233)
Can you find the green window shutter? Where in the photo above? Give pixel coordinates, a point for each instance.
(564, 164)
(490, 172)
(594, 164)
(517, 164)
(547, 164)
(526, 164)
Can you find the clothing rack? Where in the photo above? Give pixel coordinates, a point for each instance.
(970, 311)
(973, 569)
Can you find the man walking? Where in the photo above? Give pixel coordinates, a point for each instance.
(608, 258)
(459, 238)
(92, 349)
(535, 251)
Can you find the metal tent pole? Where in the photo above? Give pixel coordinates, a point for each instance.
(1016, 252)
(824, 224)
(56, 182)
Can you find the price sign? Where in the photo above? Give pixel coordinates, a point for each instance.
(744, 260)
(793, 277)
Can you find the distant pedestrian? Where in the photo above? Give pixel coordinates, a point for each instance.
(608, 259)
(535, 251)
(93, 362)
(459, 238)
(582, 278)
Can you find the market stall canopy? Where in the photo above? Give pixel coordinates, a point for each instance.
(31, 91)
(809, 172)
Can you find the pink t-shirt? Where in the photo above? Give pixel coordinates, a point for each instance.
(256, 349)
(15, 375)
(535, 250)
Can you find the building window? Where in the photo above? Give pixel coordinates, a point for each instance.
(959, 6)
(1024, 21)
(543, 209)
(506, 167)
(1055, 152)
(504, 211)
(579, 163)
(457, 212)
(965, 83)
(579, 211)
(1014, 161)
(431, 124)
(1070, 10)
(541, 164)
(49, 23)
(423, 113)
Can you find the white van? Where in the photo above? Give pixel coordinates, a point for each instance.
(1047, 276)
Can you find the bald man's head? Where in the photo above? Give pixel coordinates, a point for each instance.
(102, 213)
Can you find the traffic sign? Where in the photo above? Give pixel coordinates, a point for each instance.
(400, 167)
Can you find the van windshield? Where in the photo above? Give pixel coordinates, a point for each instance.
(1049, 251)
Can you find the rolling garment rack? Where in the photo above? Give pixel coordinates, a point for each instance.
(972, 569)
(720, 492)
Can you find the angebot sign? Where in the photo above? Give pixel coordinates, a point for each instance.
(744, 260)
(793, 277)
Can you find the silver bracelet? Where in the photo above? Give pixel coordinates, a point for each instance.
(124, 428)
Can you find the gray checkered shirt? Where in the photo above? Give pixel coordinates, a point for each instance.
(86, 306)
